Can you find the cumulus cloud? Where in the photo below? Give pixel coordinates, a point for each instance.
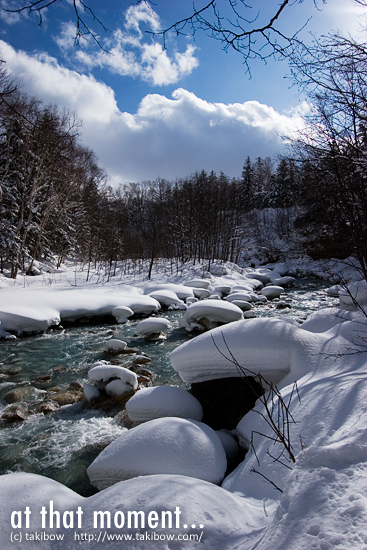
(130, 52)
(168, 136)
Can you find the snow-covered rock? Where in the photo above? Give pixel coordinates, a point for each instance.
(122, 313)
(90, 392)
(165, 445)
(267, 346)
(272, 291)
(102, 371)
(181, 291)
(213, 310)
(115, 345)
(166, 297)
(201, 293)
(245, 306)
(153, 325)
(161, 401)
(193, 510)
(118, 389)
(198, 283)
(244, 296)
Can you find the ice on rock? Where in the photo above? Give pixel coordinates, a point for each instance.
(102, 371)
(272, 291)
(153, 325)
(214, 310)
(115, 345)
(122, 313)
(161, 401)
(166, 297)
(165, 445)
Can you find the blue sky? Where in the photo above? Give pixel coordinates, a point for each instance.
(149, 113)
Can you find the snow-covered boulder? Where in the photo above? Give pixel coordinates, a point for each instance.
(151, 326)
(114, 345)
(242, 304)
(264, 278)
(166, 297)
(201, 293)
(198, 283)
(102, 371)
(223, 289)
(161, 401)
(90, 392)
(191, 300)
(118, 389)
(122, 313)
(165, 445)
(238, 295)
(181, 291)
(21, 490)
(213, 310)
(272, 291)
(266, 346)
(193, 511)
(283, 281)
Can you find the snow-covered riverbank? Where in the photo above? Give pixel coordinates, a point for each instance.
(319, 501)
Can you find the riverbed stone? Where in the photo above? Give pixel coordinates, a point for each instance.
(19, 394)
(16, 413)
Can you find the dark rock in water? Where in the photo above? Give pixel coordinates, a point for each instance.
(13, 371)
(16, 413)
(48, 407)
(67, 397)
(77, 385)
(19, 394)
(226, 400)
(37, 379)
(283, 305)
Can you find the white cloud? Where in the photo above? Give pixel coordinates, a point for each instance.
(166, 137)
(130, 52)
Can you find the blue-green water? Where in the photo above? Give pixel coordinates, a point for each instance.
(61, 445)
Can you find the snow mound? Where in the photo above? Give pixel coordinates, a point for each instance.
(237, 295)
(165, 445)
(90, 392)
(161, 401)
(198, 283)
(166, 297)
(259, 345)
(153, 325)
(355, 293)
(122, 313)
(202, 509)
(213, 310)
(272, 291)
(102, 372)
(20, 490)
(115, 345)
(181, 291)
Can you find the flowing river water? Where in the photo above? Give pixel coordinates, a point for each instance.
(61, 445)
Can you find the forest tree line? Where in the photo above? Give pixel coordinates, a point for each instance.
(55, 201)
